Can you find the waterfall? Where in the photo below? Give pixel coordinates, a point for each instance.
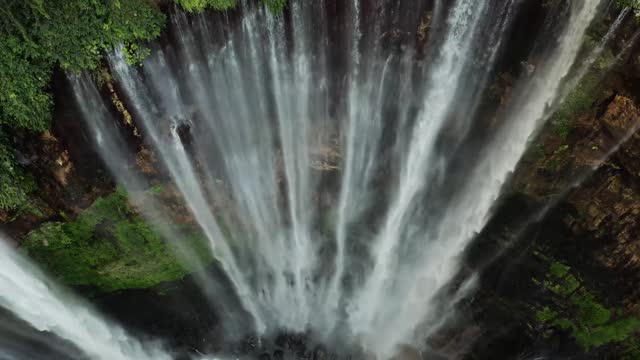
(35, 299)
(356, 168)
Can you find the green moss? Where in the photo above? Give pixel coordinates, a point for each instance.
(201, 5)
(589, 89)
(546, 315)
(109, 247)
(558, 157)
(156, 190)
(606, 60)
(616, 331)
(576, 103)
(590, 322)
(558, 270)
(275, 6)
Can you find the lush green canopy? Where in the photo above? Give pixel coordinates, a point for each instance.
(72, 34)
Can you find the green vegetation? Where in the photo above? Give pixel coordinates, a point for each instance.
(275, 6)
(633, 4)
(589, 89)
(15, 183)
(578, 311)
(558, 157)
(201, 5)
(576, 102)
(110, 247)
(39, 35)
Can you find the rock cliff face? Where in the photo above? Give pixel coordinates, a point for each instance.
(578, 194)
(600, 160)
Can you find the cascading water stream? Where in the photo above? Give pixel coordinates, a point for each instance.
(31, 296)
(280, 119)
(594, 55)
(437, 102)
(469, 209)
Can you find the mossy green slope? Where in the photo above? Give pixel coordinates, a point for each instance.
(109, 247)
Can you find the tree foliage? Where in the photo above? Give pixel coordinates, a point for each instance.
(15, 183)
(72, 34)
(24, 100)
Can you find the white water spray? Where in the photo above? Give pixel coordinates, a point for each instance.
(31, 296)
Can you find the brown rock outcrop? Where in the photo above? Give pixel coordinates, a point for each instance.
(621, 122)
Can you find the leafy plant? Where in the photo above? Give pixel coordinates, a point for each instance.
(576, 102)
(15, 183)
(71, 34)
(24, 101)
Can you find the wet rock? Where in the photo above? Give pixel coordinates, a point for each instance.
(58, 160)
(166, 201)
(147, 161)
(621, 121)
(425, 27)
(178, 313)
(278, 355)
(281, 341)
(611, 209)
(325, 151)
(527, 68)
(127, 119)
(622, 116)
(602, 156)
(396, 39)
(320, 354)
